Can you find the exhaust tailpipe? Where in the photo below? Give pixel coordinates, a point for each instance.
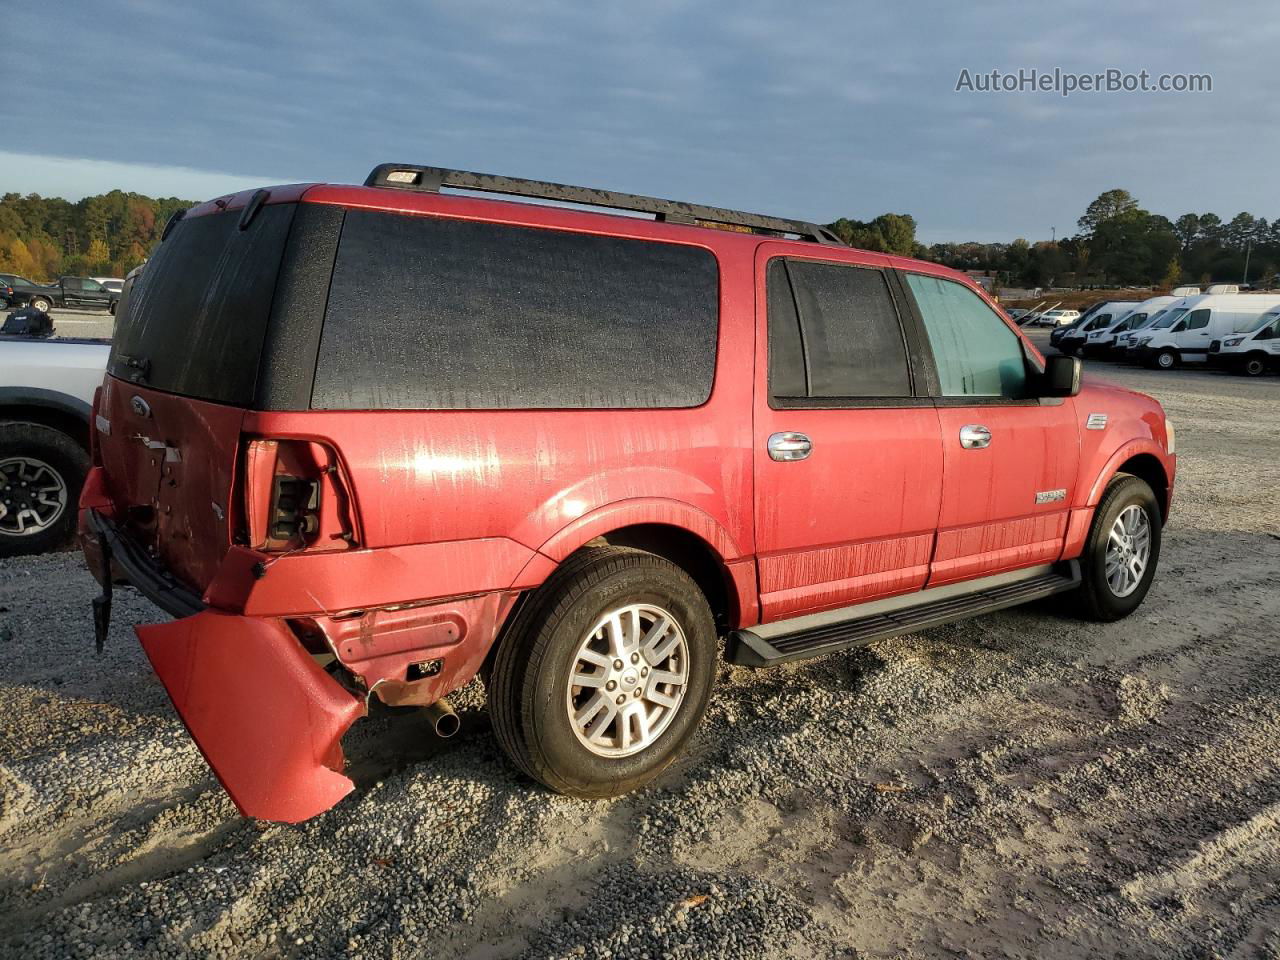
(443, 719)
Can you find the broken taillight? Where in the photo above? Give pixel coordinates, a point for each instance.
(295, 497)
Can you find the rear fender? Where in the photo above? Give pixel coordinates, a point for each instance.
(268, 719)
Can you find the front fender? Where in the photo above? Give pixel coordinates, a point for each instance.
(1125, 453)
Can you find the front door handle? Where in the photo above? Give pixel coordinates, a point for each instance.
(974, 436)
(789, 446)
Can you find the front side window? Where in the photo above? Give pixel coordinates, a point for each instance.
(1197, 320)
(833, 332)
(976, 353)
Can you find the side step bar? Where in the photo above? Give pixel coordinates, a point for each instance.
(859, 625)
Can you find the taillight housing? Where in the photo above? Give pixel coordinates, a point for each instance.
(295, 497)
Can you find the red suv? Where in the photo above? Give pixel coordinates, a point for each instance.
(373, 441)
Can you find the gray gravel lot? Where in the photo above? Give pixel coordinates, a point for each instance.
(1022, 785)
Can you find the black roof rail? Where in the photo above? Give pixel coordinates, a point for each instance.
(413, 176)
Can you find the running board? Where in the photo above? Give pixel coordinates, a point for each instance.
(856, 626)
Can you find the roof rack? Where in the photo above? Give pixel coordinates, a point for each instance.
(412, 176)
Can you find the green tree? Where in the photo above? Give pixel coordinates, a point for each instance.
(1112, 205)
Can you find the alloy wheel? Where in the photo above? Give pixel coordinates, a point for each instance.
(1128, 550)
(628, 679)
(33, 496)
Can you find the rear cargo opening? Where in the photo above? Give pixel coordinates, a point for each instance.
(183, 370)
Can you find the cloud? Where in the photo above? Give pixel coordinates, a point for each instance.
(818, 110)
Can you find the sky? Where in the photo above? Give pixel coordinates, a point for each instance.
(815, 110)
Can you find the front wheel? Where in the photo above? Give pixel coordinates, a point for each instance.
(605, 674)
(1166, 360)
(1255, 365)
(1122, 550)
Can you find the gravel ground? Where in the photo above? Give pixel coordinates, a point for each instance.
(1022, 785)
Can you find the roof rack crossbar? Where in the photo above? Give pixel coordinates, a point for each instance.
(412, 176)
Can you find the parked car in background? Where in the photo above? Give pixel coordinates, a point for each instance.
(1184, 335)
(1071, 339)
(114, 284)
(418, 437)
(1057, 318)
(83, 292)
(21, 292)
(46, 389)
(1252, 351)
(1099, 344)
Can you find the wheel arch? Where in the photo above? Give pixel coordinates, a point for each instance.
(1142, 464)
(48, 409)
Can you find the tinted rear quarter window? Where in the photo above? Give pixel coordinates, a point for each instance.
(433, 313)
(197, 314)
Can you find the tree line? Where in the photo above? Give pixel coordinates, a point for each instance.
(1117, 243)
(43, 238)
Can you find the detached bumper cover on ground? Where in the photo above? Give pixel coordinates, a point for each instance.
(265, 715)
(267, 718)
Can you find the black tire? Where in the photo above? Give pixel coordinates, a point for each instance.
(43, 304)
(111, 307)
(1165, 360)
(529, 680)
(1097, 600)
(61, 455)
(1254, 365)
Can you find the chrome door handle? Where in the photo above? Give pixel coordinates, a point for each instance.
(789, 446)
(974, 436)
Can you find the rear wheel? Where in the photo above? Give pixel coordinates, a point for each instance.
(1255, 364)
(41, 303)
(1122, 550)
(41, 473)
(605, 674)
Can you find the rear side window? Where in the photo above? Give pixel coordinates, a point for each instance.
(976, 352)
(834, 333)
(432, 313)
(195, 318)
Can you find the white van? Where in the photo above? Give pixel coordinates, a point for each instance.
(1253, 351)
(1183, 335)
(1100, 343)
(1072, 340)
(1124, 345)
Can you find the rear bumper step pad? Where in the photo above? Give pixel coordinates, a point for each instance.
(918, 612)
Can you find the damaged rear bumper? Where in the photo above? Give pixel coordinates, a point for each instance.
(268, 719)
(240, 664)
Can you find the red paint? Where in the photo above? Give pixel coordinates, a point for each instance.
(990, 521)
(433, 522)
(268, 720)
(856, 520)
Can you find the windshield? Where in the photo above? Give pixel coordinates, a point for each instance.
(1128, 322)
(1261, 322)
(1169, 319)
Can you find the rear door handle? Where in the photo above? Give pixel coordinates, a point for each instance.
(788, 446)
(974, 436)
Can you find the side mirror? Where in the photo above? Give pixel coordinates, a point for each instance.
(1062, 376)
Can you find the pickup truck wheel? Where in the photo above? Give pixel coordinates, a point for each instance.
(1255, 364)
(605, 674)
(41, 473)
(1122, 550)
(41, 303)
(111, 308)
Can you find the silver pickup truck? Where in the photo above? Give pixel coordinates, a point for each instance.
(46, 392)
